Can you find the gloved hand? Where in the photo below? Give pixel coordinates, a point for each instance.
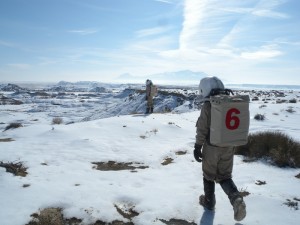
(198, 153)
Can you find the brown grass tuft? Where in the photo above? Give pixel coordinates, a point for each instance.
(18, 169)
(48, 216)
(13, 126)
(6, 139)
(276, 146)
(57, 120)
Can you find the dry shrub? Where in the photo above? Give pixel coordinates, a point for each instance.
(262, 106)
(128, 213)
(243, 192)
(167, 109)
(6, 139)
(292, 204)
(290, 110)
(57, 120)
(154, 131)
(13, 126)
(273, 145)
(48, 216)
(177, 222)
(167, 161)
(54, 216)
(16, 168)
(259, 117)
(116, 166)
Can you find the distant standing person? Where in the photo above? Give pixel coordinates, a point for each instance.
(149, 96)
(217, 162)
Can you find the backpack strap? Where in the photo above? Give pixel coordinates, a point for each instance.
(219, 91)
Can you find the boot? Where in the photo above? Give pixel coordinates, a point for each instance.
(236, 200)
(147, 110)
(239, 207)
(151, 110)
(208, 200)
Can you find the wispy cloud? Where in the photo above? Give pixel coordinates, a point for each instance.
(207, 22)
(194, 14)
(270, 14)
(21, 66)
(164, 1)
(284, 42)
(84, 31)
(221, 25)
(241, 10)
(6, 44)
(266, 52)
(151, 31)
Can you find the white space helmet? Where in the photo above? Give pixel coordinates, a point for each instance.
(148, 82)
(209, 83)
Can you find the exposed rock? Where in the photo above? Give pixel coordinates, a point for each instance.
(9, 101)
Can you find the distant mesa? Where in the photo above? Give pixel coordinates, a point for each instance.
(183, 75)
(98, 89)
(128, 76)
(11, 87)
(63, 83)
(80, 86)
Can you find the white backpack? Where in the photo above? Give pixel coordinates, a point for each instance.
(154, 90)
(230, 120)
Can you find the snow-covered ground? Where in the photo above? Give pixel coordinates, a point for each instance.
(62, 162)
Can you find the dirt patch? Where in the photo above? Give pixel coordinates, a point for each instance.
(116, 166)
(115, 222)
(167, 161)
(259, 182)
(13, 126)
(54, 216)
(180, 152)
(6, 139)
(298, 176)
(177, 222)
(48, 216)
(127, 213)
(73, 221)
(18, 169)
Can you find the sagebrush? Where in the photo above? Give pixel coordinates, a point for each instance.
(57, 120)
(275, 146)
(16, 168)
(259, 117)
(13, 126)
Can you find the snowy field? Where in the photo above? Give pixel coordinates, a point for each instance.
(108, 162)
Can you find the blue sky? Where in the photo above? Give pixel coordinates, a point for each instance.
(249, 41)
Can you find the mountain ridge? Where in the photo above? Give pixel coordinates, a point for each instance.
(182, 75)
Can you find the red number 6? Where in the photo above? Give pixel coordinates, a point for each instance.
(230, 117)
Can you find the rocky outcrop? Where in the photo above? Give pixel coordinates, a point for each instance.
(11, 87)
(9, 101)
